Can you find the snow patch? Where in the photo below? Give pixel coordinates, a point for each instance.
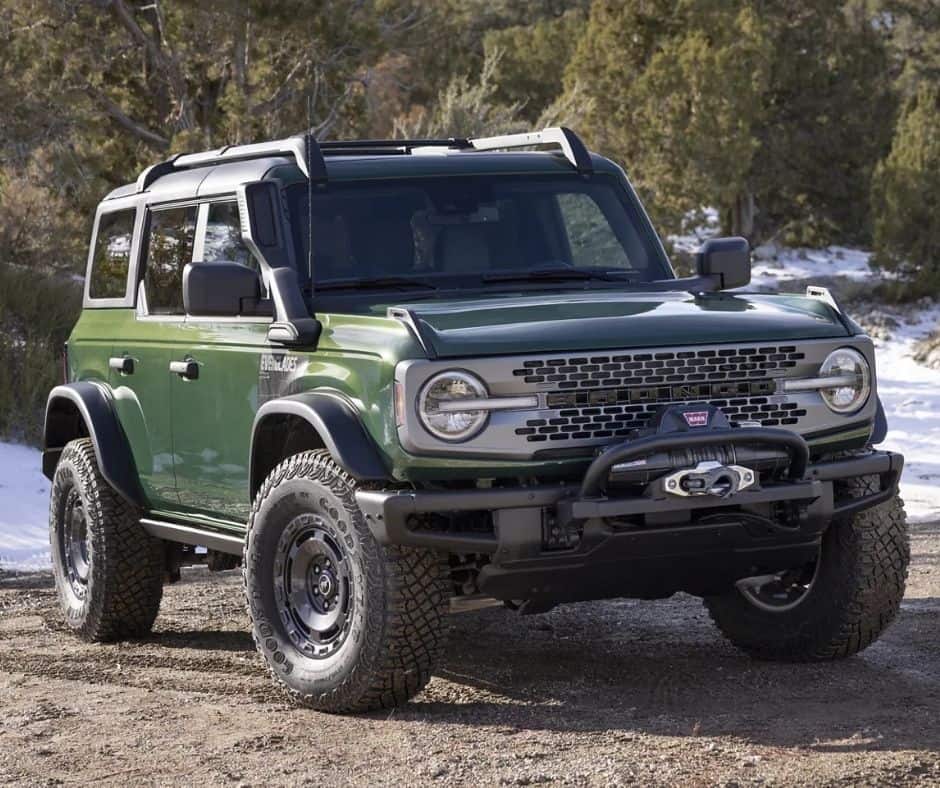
(24, 504)
(773, 265)
(910, 393)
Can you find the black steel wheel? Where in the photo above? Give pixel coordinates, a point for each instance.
(72, 544)
(344, 623)
(782, 591)
(313, 586)
(830, 609)
(108, 570)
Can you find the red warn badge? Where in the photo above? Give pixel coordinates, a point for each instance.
(696, 418)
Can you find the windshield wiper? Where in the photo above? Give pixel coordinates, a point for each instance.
(558, 274)
(376, 283)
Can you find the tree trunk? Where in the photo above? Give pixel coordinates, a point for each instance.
(742, 215)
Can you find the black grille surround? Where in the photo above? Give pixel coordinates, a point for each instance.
(609, 396)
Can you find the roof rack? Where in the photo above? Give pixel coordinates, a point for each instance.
(308, 153)
(291, 146)
(559, 136)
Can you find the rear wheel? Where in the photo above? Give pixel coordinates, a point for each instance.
(108, 570)
(345, 624)
(833, 607)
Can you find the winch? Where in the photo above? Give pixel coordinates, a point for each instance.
(719, 470)
(709, 478)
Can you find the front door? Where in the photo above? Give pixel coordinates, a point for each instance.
(215, 399)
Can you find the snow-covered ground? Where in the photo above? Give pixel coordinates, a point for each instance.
(24, 503)
(909, 391)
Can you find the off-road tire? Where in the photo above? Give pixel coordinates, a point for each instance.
(125, 567)
(396, 630)
(855, 596)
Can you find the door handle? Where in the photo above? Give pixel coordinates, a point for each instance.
(188, 369)
(122, 364)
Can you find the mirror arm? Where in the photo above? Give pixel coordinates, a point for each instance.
(292, 324)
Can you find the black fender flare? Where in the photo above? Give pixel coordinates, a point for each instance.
(93, 404)
(339, 427)
(880, 427)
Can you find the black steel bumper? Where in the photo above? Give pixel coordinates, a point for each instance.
(696, 544)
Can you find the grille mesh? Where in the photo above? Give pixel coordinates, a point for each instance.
(637, 369)
(601, 397)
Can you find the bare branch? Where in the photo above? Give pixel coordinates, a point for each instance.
(284, 92)
(126, 122)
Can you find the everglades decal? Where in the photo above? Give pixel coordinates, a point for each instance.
(278, 362)
(277, 373)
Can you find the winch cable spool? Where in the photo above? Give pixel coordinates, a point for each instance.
(720, 469)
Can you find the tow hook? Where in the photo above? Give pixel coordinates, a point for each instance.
(709, 478)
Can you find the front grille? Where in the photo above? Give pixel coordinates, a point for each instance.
(588, 399)
(689, 366)
(598, 397)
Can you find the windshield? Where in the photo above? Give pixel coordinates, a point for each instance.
(474, 231)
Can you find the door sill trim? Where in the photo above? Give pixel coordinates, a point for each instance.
(186, 534)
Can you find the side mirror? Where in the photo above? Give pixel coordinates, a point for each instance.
(727, 260)
(221, 289)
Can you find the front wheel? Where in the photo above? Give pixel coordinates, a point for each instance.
(833, 607)
(345, 624)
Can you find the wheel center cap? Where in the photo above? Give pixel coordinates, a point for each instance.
(325, 584)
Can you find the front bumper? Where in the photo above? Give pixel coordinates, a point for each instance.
(665, 544)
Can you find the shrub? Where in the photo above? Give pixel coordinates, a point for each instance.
(906, 196)
(36, 315)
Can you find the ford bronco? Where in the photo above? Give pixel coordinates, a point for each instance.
(394, 378)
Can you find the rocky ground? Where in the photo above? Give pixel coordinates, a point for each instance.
(609, 693)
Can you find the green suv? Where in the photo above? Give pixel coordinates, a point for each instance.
(399, 378)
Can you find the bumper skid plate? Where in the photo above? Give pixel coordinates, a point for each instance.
(695, 543)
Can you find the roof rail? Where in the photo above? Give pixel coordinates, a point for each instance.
(296, 146)
(403, 145)
(559, 136)
(291, 146)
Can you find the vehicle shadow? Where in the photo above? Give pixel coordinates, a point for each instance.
(204, 640)
(643, 667)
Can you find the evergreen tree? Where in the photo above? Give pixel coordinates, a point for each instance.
(778, 106)
(906, 194)
(532, 60)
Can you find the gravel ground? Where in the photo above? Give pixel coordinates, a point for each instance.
(608, 693)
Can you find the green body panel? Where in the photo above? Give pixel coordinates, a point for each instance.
(191, 438)
(597, 320)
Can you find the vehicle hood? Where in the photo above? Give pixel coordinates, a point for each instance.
(559, 322)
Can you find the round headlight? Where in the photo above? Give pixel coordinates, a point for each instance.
(854, 376)
(439, 406)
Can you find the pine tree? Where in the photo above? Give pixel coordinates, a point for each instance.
(774, 111)
(906, 194)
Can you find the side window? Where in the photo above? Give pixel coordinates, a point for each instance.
(110, 262)
(224, 236)
(590, 236)
(169, 249)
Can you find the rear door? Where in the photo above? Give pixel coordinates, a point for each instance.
(148, 341)
(213, 413)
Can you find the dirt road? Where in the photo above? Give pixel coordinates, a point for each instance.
(613, 693)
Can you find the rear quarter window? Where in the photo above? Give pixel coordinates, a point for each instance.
(112, 255)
